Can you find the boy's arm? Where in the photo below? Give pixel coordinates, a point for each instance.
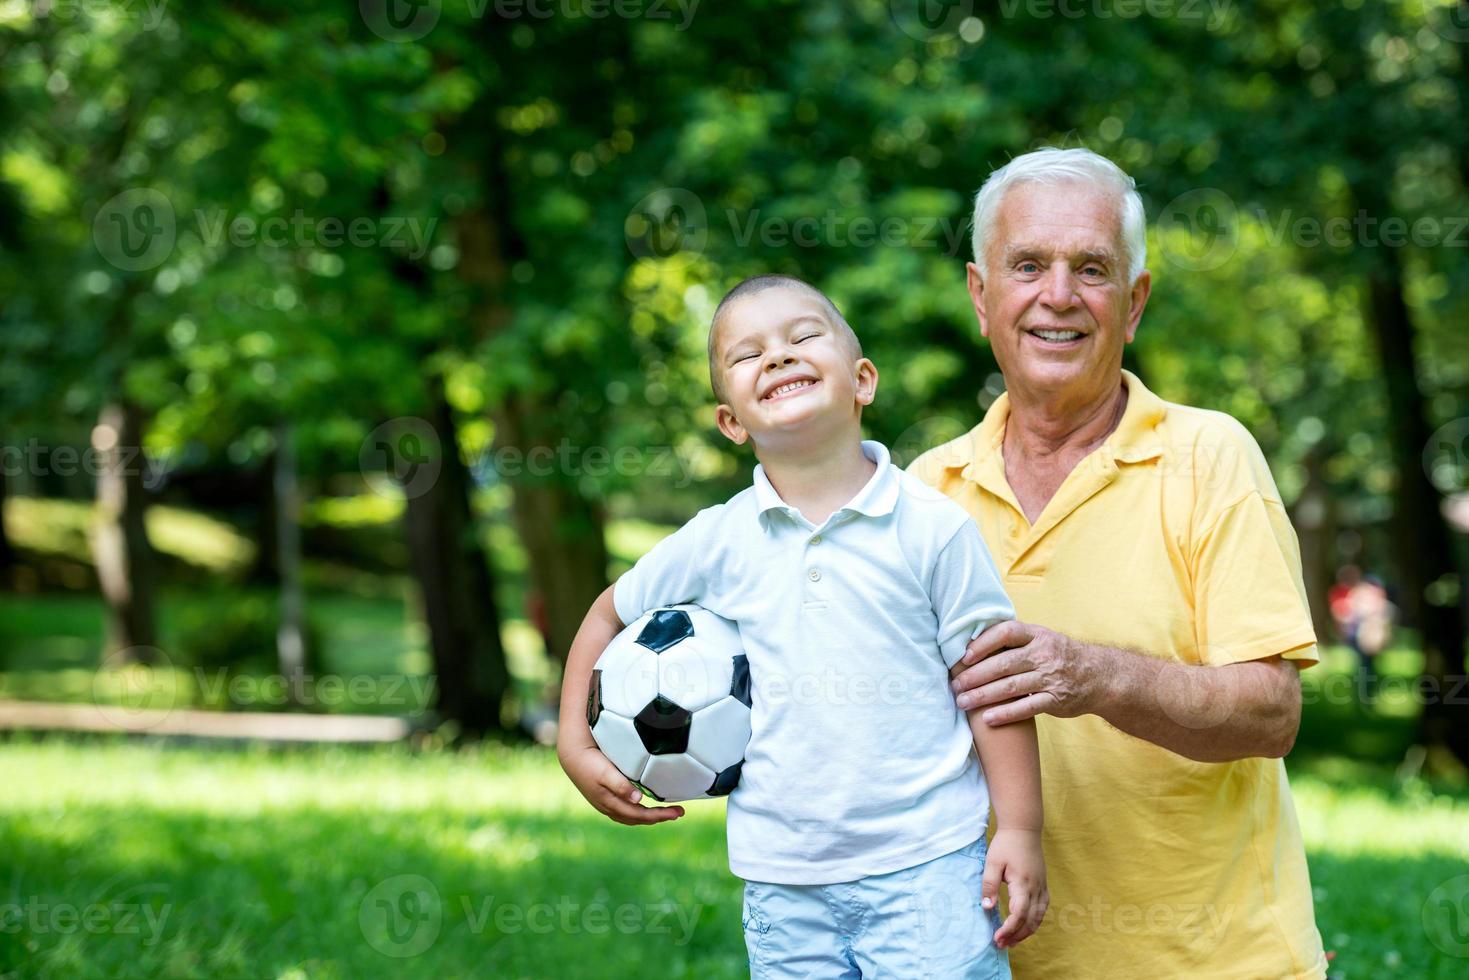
(1011, 761)
(968, 597)
(595, 776)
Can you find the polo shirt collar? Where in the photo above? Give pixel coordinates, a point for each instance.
(1134, 440)
(878, 497)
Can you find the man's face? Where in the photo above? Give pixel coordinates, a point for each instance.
(788, 373)
(1053, 298)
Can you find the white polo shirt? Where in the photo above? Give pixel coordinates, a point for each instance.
(859, 761)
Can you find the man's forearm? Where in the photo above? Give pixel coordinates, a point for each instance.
(1208, 714)
(597, 630)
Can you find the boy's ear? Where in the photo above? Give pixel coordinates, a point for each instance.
(866, 381)
(724, 417)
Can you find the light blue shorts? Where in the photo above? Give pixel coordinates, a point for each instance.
(923, 921)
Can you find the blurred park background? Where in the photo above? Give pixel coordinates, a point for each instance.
(347, 352)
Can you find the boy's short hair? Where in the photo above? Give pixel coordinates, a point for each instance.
(758, 284)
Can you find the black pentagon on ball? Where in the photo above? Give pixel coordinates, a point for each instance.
(666, 628)
(594, 699)
(664, 727)
(726, 781)
(740, 686)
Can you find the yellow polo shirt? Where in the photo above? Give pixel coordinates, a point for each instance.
(1169, 540)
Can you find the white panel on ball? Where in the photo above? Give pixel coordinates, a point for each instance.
(620, 742)
(676, 777)
(629, 675)
(696, 673)
(719, 733)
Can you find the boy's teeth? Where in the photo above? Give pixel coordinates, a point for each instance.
(1058, 334)
(789, 387)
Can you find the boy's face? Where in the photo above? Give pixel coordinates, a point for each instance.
(789, 374)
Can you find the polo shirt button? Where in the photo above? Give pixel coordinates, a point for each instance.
(815, 539)
(814, 575)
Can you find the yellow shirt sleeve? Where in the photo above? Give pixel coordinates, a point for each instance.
(1249, 599)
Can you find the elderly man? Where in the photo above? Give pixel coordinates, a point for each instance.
(1162, 616)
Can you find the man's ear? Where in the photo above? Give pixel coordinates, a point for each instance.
(866, 381)
(976, 296)
(1141, 290)
(724, 417)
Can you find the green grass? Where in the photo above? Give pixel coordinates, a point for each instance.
(273, 863)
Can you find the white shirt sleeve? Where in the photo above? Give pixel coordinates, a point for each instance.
(966, 592)
(674, 571)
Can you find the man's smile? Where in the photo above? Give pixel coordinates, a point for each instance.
(1057, 337)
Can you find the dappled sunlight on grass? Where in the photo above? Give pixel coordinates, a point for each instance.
(61, 527)
(282, 852)
(268, 860)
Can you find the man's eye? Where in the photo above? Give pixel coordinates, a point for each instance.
(1094, 271)
(744, 357)
(802, 340)
(1029, 267)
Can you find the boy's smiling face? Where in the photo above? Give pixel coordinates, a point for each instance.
(789, 372)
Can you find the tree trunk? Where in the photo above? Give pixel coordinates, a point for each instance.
(456, 585)
(1421, 534)
(290, 637)
(1314, 517)
(7, 550)
(120, 540)
(562, 531)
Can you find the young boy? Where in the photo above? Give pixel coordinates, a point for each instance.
(859, 821)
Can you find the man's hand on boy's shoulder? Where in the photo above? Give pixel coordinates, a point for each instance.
(607, 789)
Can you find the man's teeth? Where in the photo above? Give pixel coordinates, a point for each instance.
(789, 387)
(1057, 335)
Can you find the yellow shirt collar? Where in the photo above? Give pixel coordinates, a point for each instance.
(1134, 440)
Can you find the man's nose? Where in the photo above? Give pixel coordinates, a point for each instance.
(1059, 292)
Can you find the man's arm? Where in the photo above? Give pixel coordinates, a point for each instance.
(595, 776)
(1208, 714)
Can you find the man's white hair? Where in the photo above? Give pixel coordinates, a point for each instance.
(1051, 165)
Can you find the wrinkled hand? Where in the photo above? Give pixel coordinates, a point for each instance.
(607, 789)
(1015, 858)
(1035, 669)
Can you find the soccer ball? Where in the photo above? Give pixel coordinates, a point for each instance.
(669, 703)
